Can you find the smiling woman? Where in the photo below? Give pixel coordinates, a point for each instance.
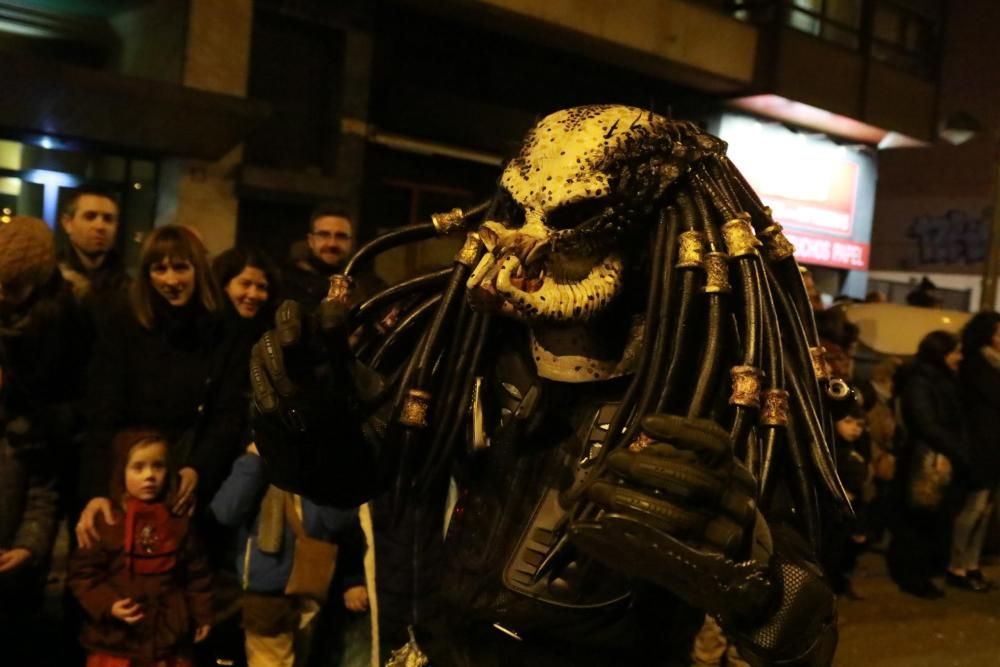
(250, 281)
(167, 360)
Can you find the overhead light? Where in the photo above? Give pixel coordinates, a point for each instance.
(959, 127)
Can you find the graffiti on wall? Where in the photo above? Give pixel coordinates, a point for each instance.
(955, 237)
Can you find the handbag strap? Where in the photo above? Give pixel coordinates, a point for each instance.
(293, 516)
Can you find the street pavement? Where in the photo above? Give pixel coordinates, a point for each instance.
(891, 629)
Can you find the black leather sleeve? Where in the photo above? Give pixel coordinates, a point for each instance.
(800, 629)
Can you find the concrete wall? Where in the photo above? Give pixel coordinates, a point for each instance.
(216, 58)
(697, 38)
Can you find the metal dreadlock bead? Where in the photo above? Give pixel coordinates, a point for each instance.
(820, 366)
(776, 244)
(746, 386)
(446, 223)
(691, 252)
(340, 288)
(416, 405)
(717, 273)
(468, 255)
(739, 237)
(774, 411)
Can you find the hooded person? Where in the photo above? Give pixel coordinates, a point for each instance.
(145, 585)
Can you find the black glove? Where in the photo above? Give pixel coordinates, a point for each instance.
(304, 418)
(680, 511)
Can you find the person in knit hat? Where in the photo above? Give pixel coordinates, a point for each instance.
(27, 259)
(39, 366)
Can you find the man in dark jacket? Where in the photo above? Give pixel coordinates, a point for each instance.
(330, 241)
(90, 263)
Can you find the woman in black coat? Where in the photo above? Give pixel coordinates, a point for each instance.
(932, 420)
(250, 282)
(167, 360)
(979, 375)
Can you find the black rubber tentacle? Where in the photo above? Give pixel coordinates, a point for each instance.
(376, 302)
(441, 460)
(405, 324)
(655, 376)
(455, 288)
(652, 336)
(818, 453)
(679, 352)
(450, 407)
(803, 487)
(387, 241)
(711, 359)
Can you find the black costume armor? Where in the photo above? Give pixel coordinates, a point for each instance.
(610, 492)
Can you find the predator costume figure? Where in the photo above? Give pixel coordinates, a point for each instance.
(621, 375)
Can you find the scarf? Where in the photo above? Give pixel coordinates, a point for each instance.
(271, 527)
(152, 538)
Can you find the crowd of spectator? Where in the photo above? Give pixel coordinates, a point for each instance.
(124, 416)
(918, 452)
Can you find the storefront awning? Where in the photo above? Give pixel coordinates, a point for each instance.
(135, 115)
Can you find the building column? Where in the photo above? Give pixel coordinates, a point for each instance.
(353, 141)
(197, 193)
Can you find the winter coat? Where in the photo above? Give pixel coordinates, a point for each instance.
(95, 288)
(28, 502)
(980, 382)
(43, 353)
(187, 377)
(237, 504)
(933, 414)
(174, 603)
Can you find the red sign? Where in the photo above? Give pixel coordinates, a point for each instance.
(827, 251)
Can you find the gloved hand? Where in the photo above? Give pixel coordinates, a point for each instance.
(680, 511)
(289, 363)
(303, 398)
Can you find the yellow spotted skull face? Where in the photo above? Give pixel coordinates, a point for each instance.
(584, 182)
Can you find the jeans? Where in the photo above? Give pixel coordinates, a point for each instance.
(969, 530)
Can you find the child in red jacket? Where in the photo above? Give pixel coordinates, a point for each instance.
(146, 584)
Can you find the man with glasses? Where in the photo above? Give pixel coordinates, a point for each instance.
(330, 241)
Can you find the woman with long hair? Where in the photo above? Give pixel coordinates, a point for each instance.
(979, 376)
(935, 445)
(166, 360)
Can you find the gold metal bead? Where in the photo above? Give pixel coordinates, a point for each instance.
(820, 366)
(468, 255)
(691, 251)
(416, 405)
(717, 273)
(640, 443)
(739, 236)
(774, 411)
(445, 223)
(746, 386)
(340, 288)
(776, 244)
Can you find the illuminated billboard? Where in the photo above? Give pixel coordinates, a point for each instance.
(811, 185)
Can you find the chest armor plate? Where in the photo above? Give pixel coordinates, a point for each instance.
(510, 523)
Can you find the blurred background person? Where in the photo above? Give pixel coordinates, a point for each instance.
(40, 370)
(935, 436)
(979, 376)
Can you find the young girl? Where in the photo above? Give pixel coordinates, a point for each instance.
(145, 584)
